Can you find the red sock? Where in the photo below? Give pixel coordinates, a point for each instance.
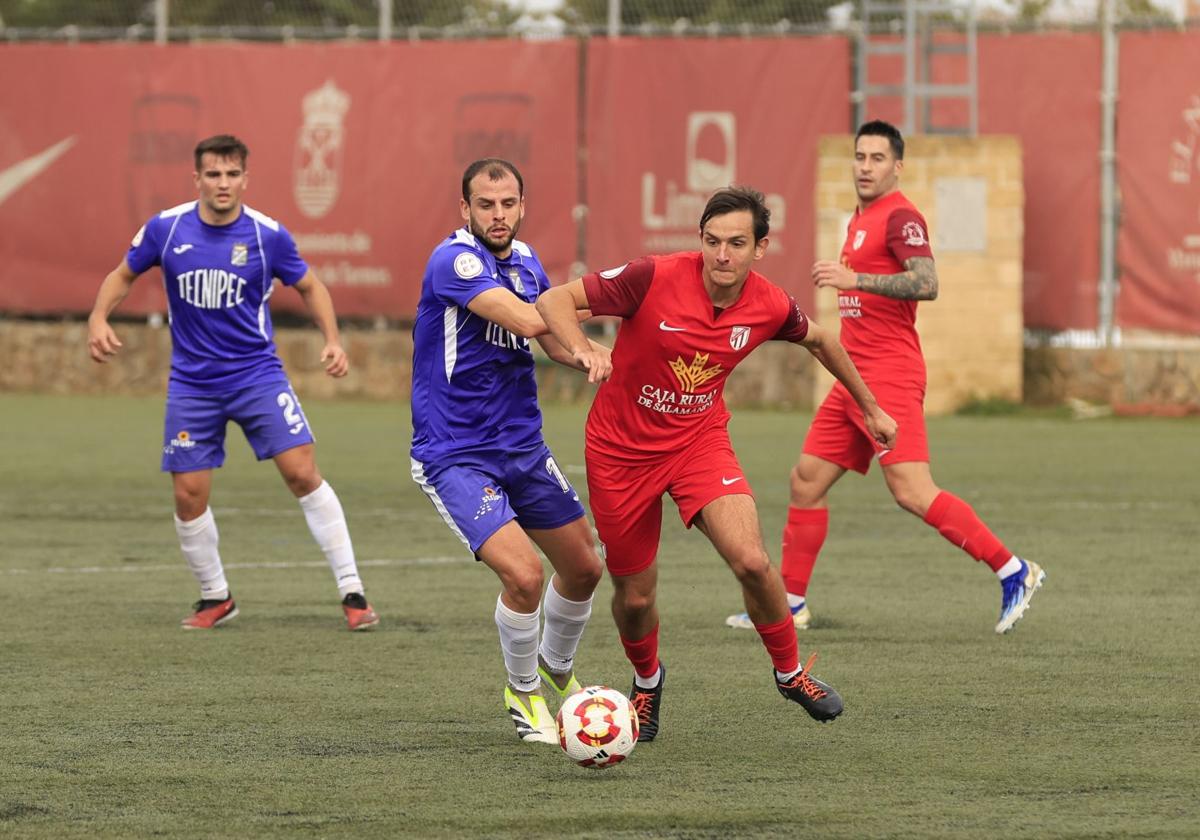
(644, 653)
(957, 522)
(803, 537)
(780, 641)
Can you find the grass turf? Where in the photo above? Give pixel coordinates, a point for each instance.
(1082, 723)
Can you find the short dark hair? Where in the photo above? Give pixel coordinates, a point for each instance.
(732, 199)
(222, 145)
(879, 128)
(496, 168)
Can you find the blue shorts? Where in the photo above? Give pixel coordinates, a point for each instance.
(194, 430)
(478, 494)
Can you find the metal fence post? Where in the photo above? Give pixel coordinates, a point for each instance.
(1108, 174)
(161, 15)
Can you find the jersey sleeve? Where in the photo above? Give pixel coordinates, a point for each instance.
(459, 274)
(908, 235)
(146, 248)
(286, 262)
(619, 291)
(795, 325)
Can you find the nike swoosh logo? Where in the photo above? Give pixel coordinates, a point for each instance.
(662, 325)
(185, 247)
(20, 174)
(728, 481)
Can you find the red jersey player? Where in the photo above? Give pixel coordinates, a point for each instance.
(658, 425)
(886, 267)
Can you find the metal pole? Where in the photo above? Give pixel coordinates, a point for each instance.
(1108, 175)
(910, 66)
(385, 20)
(161, 15)
(614, 18)
(973, 69)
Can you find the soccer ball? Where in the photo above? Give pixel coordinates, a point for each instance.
(597, 727)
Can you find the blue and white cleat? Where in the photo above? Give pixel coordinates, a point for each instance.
(1017, 591)
(800, 617)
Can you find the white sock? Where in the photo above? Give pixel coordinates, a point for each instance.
(198, 540)
(782, 677)
(327, 523)
(519, 644)
(795, 600)
(1010, 568)
(648, 682)
(565, 621)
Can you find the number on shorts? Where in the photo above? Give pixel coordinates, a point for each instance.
(291, 414)
(552, 468)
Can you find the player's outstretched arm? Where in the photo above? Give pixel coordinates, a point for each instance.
(918, 281)
(102, 340)
(559, 308)
(320, 306)
(825, 346)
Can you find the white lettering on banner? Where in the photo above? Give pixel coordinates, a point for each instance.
(211, 288)
(345, 274)
(670, 214)
(1183, 166)
(334, 242)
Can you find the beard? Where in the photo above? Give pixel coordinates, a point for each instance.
(494, 245)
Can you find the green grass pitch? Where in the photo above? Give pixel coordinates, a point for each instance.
(1082, 723)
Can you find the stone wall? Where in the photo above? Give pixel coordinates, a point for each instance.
(971, 194)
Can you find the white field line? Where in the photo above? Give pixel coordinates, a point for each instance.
(175, 567)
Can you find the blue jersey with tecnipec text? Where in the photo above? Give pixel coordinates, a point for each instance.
(473, 387)
(218, 280)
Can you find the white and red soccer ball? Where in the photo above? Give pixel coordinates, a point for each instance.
(597, 727)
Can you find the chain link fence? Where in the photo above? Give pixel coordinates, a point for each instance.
(284, 20)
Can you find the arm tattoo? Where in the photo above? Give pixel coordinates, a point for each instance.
(917, 282)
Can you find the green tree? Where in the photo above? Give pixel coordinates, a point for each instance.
(700, 12)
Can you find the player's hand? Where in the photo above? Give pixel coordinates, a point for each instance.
(881, 427)
(833, 274)
(596, 361)
(102, 341)
(337, 363)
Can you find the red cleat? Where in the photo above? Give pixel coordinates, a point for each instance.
(210, 614)
(359, 614)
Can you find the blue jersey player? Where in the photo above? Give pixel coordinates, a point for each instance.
(477, 449)
(219, 259)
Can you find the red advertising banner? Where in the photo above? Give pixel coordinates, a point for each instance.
(353, 148)
(1044, 88)
(669, 121)
(1158, 152)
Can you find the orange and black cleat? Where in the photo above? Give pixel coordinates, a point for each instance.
(647, 702)
(359, 615)
(208, 614)
(817, 698)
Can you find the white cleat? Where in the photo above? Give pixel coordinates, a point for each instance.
(1016, 592)
(801, 617)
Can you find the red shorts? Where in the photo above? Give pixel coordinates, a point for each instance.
(626, 497)
(839, 434)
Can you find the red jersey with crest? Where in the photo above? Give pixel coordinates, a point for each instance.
(674, 351)
(878, 332)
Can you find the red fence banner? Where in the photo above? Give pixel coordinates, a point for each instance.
(1158, 156)
(1044, 88)
(669, 121)
(357, 149)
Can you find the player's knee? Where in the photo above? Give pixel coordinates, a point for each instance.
(190, 502)
(524, 586)
(804, 492)
(632, 602)
(586, 573)
(752, 569)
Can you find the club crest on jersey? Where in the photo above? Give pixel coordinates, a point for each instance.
(914, 234)
(239, 255)
(514, 276)
(859, 237)
(467, 265)
(738, 337)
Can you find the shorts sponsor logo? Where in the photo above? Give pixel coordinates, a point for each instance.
(488, 502)
(728, 481)
(183, 440)
(467, 265)
(738, 337)
(240, 254)
(914, 235)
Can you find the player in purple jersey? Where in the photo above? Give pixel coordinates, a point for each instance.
(478, 451)
(219, 259)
